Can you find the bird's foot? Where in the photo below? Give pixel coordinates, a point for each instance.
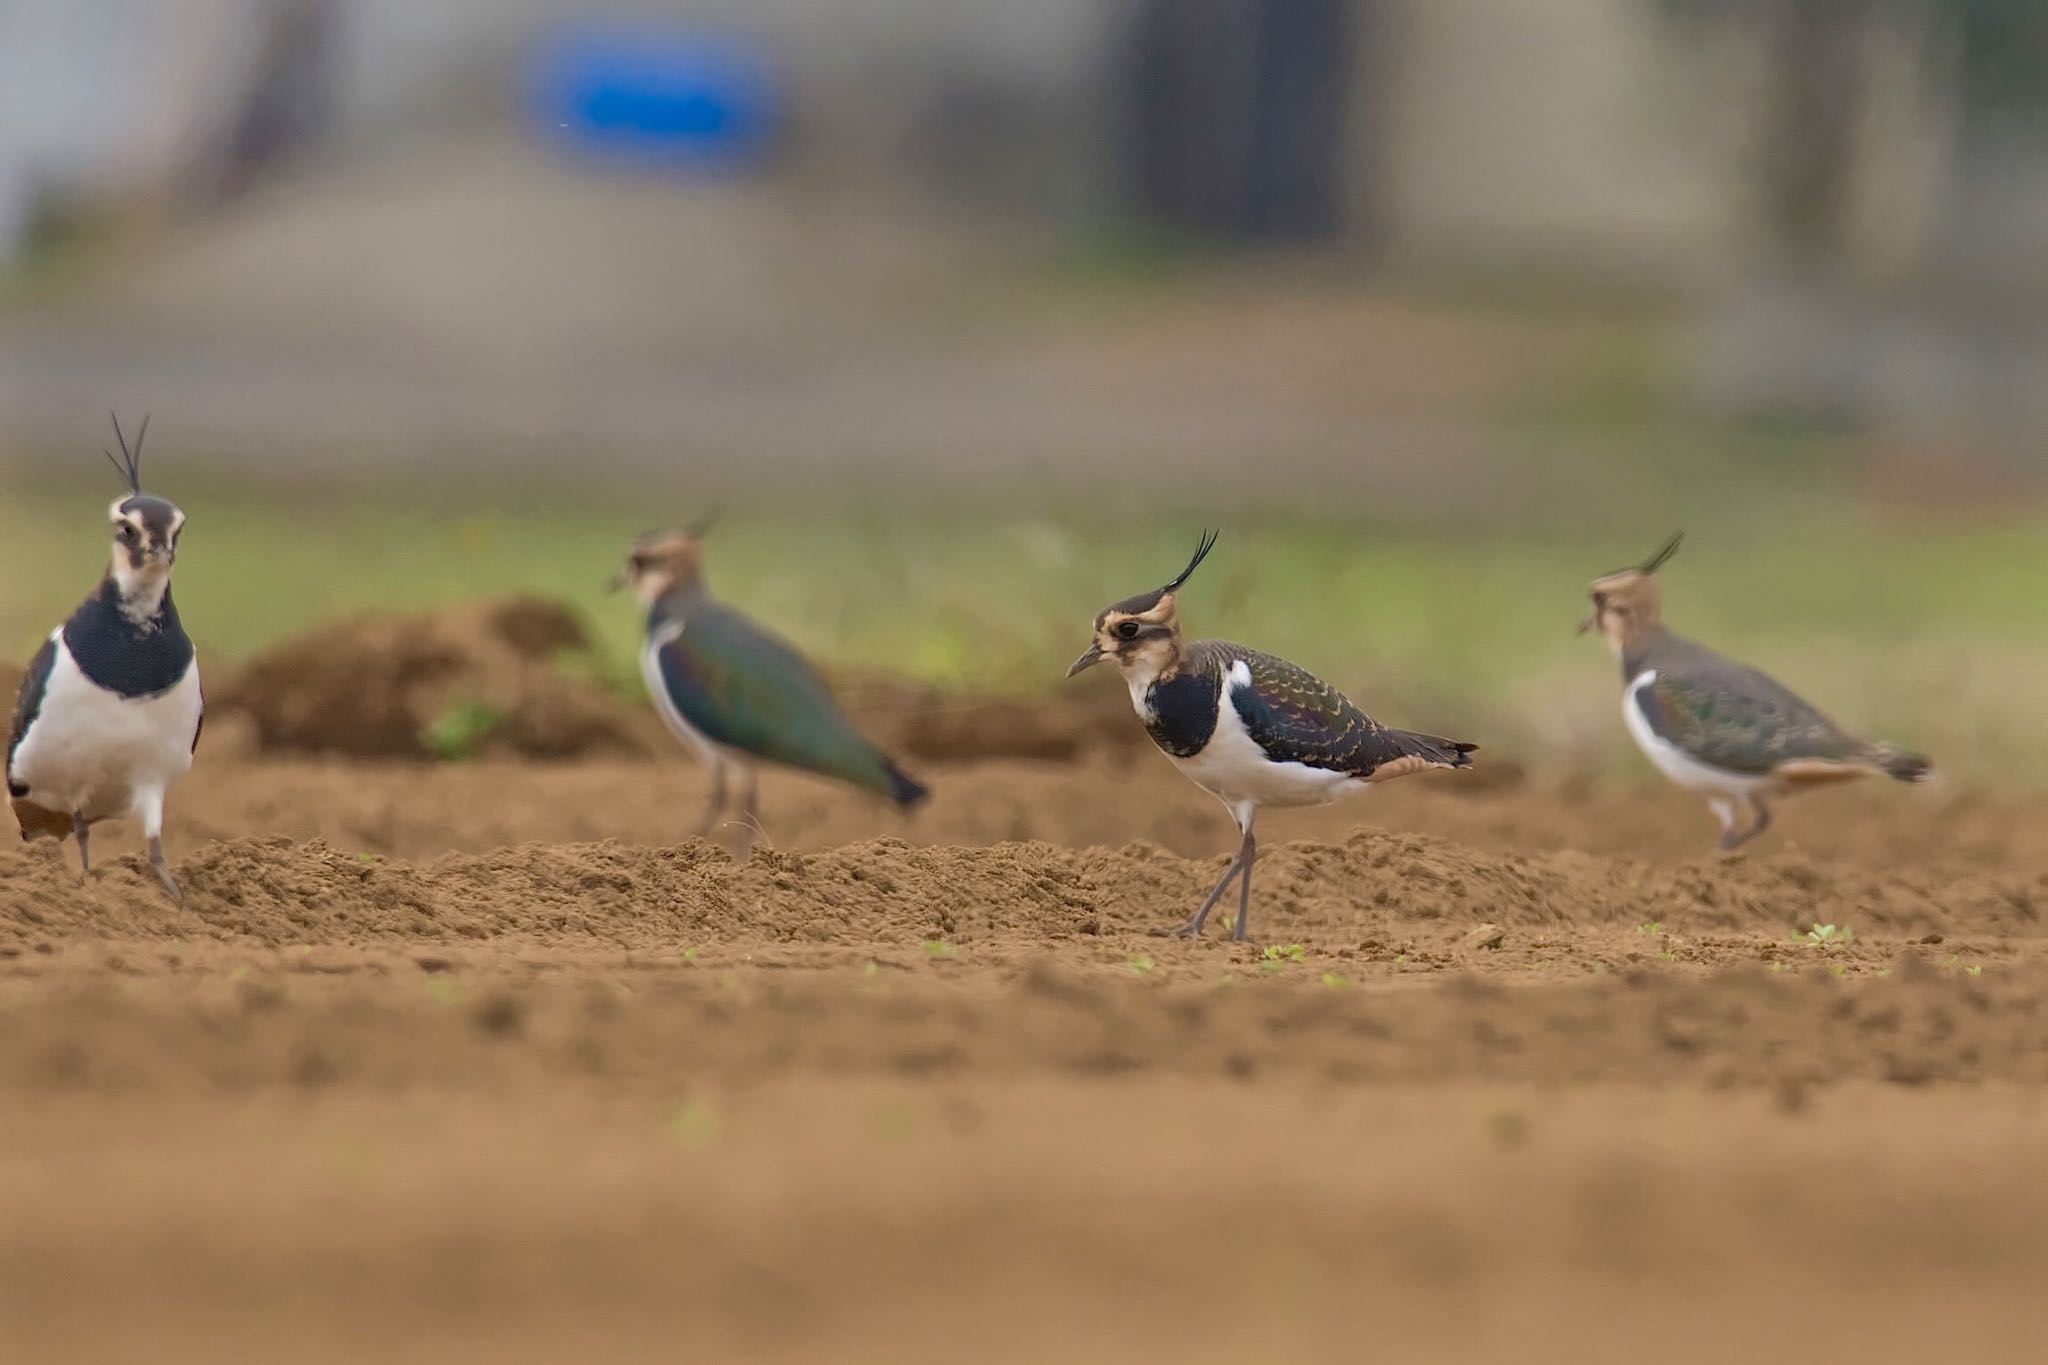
(163, 872)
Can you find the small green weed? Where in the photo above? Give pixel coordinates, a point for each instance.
(461, 730)
(1275, 958)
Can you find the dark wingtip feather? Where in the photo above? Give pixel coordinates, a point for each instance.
(905, 790)
(1448, 753)
(1906, 767)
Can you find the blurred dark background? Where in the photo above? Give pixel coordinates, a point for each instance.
(731, 232)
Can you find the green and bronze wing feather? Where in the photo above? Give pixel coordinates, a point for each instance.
(1296, 717)
(1734, 718)
(747, 690)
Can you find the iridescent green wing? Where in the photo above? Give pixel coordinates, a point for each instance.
(1737, 719)
(1296, 717)
(749, 691)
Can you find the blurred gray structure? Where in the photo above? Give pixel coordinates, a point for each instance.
(342, 220)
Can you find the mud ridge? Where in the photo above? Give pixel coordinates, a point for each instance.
(1359, 893)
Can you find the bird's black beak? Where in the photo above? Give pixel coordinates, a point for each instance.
(1589, 623)
(616, 581)
(1089, 658)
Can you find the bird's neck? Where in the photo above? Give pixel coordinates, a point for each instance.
(1638, 647)
(674, 601)
(1154, 662)
(143, 599)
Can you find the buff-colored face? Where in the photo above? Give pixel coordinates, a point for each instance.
(662, 562)
(1137, 635)
(1623, 604)
(1142, 634)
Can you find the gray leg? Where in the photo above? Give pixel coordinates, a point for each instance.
(1193, 928)
(716, 806)
(1246, 855)
(156, 860)
(78, 831)
(1761, 821)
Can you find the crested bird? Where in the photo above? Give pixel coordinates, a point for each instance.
(1718, 727)
(1249, 729)
(110, 710)
(731, 691)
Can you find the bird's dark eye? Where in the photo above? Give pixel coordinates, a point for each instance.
(640, 563)
(1127, 630)
(126, 531)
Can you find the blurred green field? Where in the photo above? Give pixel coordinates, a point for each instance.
(1932, 634)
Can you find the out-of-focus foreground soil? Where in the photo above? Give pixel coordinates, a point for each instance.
(489, 1061)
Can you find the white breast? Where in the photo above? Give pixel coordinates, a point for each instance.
(95, 751)
(1674, 762)
(1237, 771)
(696, 740)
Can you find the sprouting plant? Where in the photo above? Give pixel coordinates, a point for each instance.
(1275, 958)
(443, 990)
(689, 954)
(1776, 966)
(1335, 982)
(1647, 927)
(461, 730)
(1820, 935)
(1667, 956)
(1976, 969)
(1141, 965)
(871, 971)
(938, 947)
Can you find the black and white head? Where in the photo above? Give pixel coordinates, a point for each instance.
(1141, 634)
(146, 527)
(663, 562)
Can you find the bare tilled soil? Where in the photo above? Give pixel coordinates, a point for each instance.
(490, 1061)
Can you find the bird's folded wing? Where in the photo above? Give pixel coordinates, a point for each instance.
(29, 701)
(1296, 717)
(745, 689)
(1739, 720)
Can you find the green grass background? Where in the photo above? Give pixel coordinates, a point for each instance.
(1932, 633)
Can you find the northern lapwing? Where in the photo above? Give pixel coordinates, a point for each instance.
(110, 710)
(1718, 727)
(1249, 729)
(731, 691)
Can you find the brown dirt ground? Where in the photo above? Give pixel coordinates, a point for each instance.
(482, 1062)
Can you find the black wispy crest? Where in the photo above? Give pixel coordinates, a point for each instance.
(697, 529)
(1654, 562)
(129, 466)
(1202, 548)
(1670, 548)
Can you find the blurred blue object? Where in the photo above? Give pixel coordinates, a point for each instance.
(657, 96)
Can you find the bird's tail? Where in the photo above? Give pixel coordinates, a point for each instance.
(1422, 752)
(37, 822)
(905, 790)
(1893, 761)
